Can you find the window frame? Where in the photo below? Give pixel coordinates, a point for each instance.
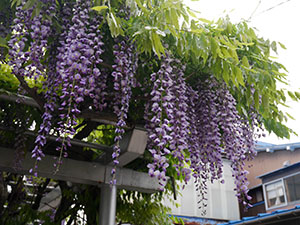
(266, 197)
(288, 176)
(284, 189)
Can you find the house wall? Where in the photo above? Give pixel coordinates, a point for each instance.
(266, 162)
(257, 202)
(222, 203)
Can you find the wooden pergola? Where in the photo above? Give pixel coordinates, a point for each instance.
(80, 169)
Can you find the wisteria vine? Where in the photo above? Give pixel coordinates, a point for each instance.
(191, 126)
(198, 127)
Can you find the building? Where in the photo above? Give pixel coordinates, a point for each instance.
(270, 158)
(274, 183)
(281, 188)
(222, 204)
(274, 177)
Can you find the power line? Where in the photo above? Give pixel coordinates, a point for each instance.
(254, 11)
(273, 7)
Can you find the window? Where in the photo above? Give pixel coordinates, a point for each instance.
(292, 185)
(259, 196)
(283, 191)
(275, 194)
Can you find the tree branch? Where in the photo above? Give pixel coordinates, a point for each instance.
(85, 132)
(106, 65)
(3, 192)
(40, 193)
(32, 92)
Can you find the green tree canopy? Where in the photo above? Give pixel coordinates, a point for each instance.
(200, 88)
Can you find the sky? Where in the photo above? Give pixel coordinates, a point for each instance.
(277, 20)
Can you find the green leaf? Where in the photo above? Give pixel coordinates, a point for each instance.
(239, 75)
(245, 62)
(214, 47)
(3, 42)
(256, 99)
(99, 8)
(293, 97)
(191, 13)
(97, 2)
(297, 94)
(205, 20)
(282, 45)
(114, 25)
(226, 73)
(159, 32)
(225, 52)
(29, 4)
(291, 117)
(157, 45)
(174, 17)
(265, 102)
(16, 2)
(38, 9)
(234, 55)
(274, 46)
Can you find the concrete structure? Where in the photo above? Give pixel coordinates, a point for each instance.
(93, 173)
(222, 204)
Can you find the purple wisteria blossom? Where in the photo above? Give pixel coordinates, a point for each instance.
(38, 30)
(77, 60)
(196, 126)
(124, 70)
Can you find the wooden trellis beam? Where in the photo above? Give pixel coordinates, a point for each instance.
(100, 117)
(80, 172)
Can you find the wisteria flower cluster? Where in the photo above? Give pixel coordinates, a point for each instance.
(5, 27)
(124, 70)
(191, 126)
(28, 62)
(167, 119)
(226, 134)
(197, 127)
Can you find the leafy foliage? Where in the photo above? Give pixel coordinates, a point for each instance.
(138, 208)
(147, 62)
(8, 81)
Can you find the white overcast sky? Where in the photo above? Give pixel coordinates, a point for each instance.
(277, 20)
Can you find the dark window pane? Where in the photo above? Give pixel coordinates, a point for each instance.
(293, 188)
(259, 196)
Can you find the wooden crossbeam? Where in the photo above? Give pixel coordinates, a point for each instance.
(100, 117)
(132, 145)
(80, 172)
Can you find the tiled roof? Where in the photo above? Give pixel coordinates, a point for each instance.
(265, 216)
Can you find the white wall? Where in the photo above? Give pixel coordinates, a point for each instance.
(222, 202)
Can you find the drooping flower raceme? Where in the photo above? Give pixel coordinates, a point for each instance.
(77, 70)
(222, 133)
(169, 97)
(196, 126)
(193, 127)
(124, 70)
(29, 62)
